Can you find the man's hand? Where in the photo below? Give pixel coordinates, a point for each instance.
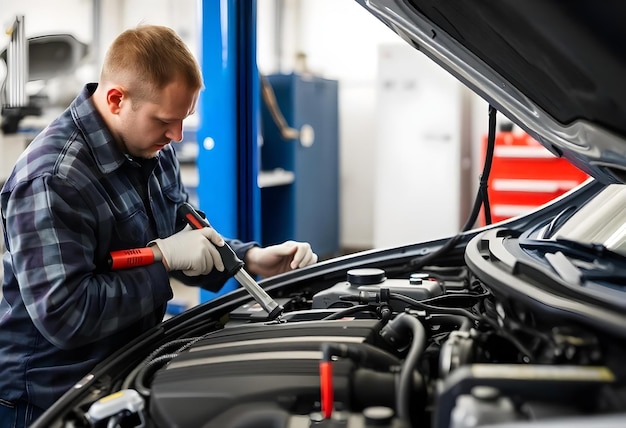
(275, 259)
(192, 251)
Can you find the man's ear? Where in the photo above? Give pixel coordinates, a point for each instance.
(115, 96)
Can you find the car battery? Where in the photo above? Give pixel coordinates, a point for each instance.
(417, 287)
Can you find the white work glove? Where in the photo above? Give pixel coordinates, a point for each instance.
(191, 250)
(275, 259)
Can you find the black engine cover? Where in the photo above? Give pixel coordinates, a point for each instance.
(269, 365)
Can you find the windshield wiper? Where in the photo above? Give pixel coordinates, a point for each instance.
(583, 250)
(606, 264)
(558, 220)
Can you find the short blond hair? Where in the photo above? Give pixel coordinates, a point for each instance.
(146, 58)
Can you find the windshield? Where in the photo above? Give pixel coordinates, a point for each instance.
(602, 221)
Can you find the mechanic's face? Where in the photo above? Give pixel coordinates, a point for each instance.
(148, 126)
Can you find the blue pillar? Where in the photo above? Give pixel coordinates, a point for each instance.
(228, 122)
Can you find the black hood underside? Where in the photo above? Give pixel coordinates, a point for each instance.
(569, 57)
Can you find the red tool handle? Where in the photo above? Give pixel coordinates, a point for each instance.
(124, 259)
(134, 257)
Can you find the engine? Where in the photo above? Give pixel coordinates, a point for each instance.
(431, 349)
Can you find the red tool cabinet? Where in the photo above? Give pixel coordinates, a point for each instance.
(525, 175)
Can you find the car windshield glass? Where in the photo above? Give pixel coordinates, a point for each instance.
(602, 222)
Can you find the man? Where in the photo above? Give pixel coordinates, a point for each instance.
(104, 177)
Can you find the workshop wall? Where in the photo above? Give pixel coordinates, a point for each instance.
(335, 48)
(44, 17)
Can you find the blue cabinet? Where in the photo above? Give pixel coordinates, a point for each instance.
(307, 208)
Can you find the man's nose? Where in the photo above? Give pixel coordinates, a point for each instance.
(175, 132)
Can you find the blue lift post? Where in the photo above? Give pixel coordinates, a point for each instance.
(228, 130)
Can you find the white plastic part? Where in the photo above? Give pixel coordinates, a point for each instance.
(126, 400)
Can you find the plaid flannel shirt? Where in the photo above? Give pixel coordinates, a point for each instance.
(73, 197)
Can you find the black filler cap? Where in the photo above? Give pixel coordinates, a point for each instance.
(366, 276)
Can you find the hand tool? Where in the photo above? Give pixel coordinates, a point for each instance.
(233, 265)
(124, 259)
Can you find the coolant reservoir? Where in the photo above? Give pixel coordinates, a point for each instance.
(372, 280)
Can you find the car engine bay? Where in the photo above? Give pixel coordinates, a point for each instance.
(461, 343)
(469, 363)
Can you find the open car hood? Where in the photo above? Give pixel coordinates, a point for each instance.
(553, 68)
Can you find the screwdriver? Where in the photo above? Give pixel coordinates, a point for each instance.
(233, 265)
